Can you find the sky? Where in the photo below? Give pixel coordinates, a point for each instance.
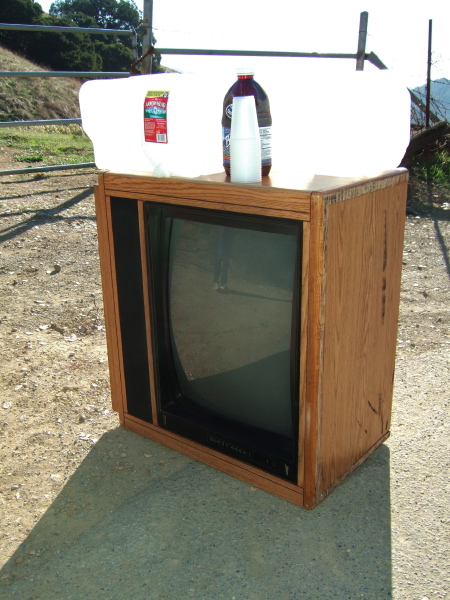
(397, 33)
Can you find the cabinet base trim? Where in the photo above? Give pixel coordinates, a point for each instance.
(247, 473)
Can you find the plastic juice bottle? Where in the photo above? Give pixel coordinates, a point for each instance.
(247, 86)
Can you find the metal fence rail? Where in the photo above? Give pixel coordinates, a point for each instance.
(74, 74)
(60, 28)
(48, 168)
(41, 122)
(204, 52)
(360, 58)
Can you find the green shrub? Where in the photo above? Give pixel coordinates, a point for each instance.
(433, 167)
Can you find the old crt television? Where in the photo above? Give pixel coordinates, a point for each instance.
(254, 327)
(224, 313)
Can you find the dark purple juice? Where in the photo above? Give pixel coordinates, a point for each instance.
(247, 86)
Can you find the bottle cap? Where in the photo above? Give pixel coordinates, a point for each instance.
(245, 71)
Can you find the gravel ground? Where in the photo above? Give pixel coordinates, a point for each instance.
(89, 510)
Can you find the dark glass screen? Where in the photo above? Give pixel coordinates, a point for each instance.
(227, 328)
(230, 307)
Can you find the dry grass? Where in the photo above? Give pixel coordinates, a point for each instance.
(23, 99)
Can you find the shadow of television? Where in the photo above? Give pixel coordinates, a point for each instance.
(138, 520)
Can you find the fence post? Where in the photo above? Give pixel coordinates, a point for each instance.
(134, 45)
(147, 36)
(361, 52)
(428, 101)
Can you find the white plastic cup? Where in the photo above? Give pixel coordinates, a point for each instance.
(244, 122)
(245, 166)
(245, 143)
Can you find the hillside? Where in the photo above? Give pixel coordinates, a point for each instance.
(25, 99)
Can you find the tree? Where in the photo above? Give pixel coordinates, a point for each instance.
(61, 51)
(74, 51)
(18, 11)
(108, 14)
(64, 51)
(114, 57)
(114, 51)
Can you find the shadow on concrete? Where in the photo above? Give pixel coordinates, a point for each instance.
(138, 520)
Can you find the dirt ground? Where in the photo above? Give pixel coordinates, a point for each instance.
(55, 396)
(54, 381)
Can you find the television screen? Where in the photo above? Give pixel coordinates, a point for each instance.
(226, 315)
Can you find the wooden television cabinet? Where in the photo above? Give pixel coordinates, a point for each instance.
(350, 289)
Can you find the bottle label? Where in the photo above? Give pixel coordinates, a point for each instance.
(155, 117)
(266, 144)
(226, 144)
(265, 134)
(229, 110)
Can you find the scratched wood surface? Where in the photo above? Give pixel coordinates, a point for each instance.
(282, 195)
(218, 195)
(363, 265)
